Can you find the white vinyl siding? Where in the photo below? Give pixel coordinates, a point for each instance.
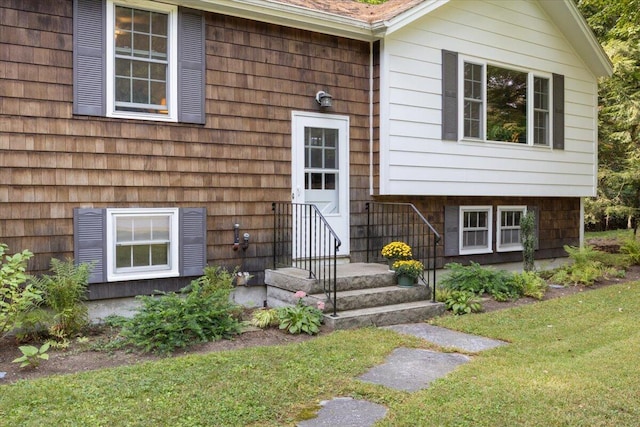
(416, 161)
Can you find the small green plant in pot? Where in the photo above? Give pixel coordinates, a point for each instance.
(396, 251)
(408, 271)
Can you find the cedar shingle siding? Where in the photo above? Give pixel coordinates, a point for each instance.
(235, 165)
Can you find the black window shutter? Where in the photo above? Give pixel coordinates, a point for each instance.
(191, 66)
(89, 57)
(558, 112)
(449, 95)
(193, 241)
(89, 241)
(451, 230)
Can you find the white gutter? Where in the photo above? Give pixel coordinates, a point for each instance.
(288, 15)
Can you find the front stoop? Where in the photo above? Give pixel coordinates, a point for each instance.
(367, 296)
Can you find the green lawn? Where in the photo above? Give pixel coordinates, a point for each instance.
(571, 361)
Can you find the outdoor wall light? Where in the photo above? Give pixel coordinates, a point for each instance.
(324, 99)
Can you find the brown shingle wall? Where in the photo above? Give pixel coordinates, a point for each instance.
(235, 165)
(558, 223)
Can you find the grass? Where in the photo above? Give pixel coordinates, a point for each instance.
(571, 361)
(620, 235)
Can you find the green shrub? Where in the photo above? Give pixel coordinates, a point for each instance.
(171, 321)
(588, 266)
(463, 302)
(631, 247)
(442, 293)
(300, 318)
(31, 356)
(264, 318)
(531, 284)
(216, 279)
(527, 228)
(17, 300)
(479, 280)
(65, 291)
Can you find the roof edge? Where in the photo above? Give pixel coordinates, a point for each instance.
(580, 36)
(289, 15)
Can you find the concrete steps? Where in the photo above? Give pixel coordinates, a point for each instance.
(367, 295)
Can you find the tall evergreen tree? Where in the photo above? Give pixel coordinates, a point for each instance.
(616, 24)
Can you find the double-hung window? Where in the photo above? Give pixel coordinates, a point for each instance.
(509, 237)
(141, 60)
(475, 229)
(142, 243)
(138, 59)
(504, 104)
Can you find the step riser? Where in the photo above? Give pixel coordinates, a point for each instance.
(418, 314)
(395, 296)
(298, 280)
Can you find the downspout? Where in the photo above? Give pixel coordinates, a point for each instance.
(581, 222)
(371, 118)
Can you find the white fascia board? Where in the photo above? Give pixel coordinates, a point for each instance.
(571, 23)
(287, 15)
(389, 26)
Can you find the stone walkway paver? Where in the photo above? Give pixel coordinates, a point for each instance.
(346, 412)
(405, 369)
(447, 338)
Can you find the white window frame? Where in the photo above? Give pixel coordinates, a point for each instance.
(462, 60)
(500, 247)
(172, 270)
(478, 250)
(172, 72)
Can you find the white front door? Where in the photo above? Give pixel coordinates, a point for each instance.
(320, 169)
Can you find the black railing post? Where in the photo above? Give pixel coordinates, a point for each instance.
(367, 206)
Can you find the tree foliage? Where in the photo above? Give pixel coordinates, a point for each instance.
(617, 27)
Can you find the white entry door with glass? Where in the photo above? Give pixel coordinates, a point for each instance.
(320, 174)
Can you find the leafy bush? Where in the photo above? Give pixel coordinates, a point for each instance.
(17, 300)
(64, 293)
(300, 318)
(631, 247)
(263, 318)
(463, 302)
(216, 279)
(527, 228)
(171, 321)
(479, 280)
(442, 293)
(588, 266)
(31, 356)
(531, 284)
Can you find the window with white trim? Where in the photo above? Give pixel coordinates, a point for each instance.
(142, 60)
(509, 236)
(504, 104)
(475, 229)
(142, 243)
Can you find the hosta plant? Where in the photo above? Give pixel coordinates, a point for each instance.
(300, 318)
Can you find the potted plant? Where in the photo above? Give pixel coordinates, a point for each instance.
(395, 251)
(408, 271)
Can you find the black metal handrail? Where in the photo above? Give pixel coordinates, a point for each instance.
(388, 222)
(303, 239)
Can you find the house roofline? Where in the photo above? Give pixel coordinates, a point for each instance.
(289, 15)
(580, 35)
(563, 13)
